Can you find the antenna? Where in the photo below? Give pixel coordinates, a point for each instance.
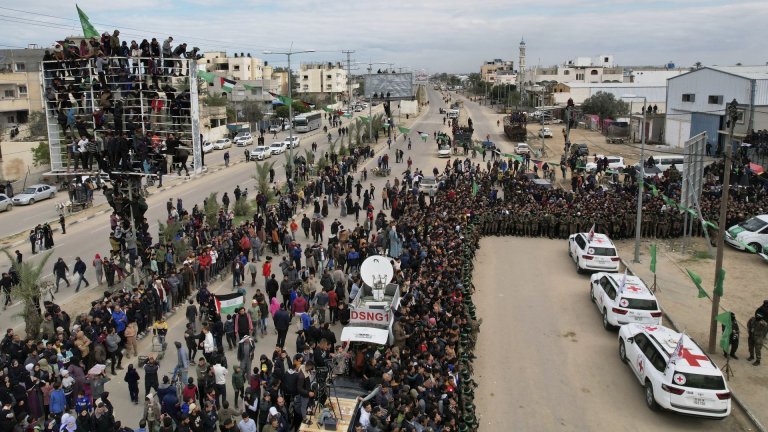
(376, 272)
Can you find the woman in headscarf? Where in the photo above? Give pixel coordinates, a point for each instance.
(98, 267)
(274, 306)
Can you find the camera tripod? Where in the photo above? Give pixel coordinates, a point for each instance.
(325, 387)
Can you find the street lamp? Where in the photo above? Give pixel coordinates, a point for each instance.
(640, 179)
(290, 87)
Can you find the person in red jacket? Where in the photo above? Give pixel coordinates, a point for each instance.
(205, 264)
(333, 305)
(266, 269)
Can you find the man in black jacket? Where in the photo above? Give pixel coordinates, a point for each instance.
(282, 323)
(304, 392)
(60, 270)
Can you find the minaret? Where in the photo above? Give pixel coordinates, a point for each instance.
(521, 63)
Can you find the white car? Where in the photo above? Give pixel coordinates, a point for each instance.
(632, 303)
(243, 139)
(275, 128)
(614, 163)
(522, 148)
(444, 151)
(752, 232)
(688, 383)
(207, 147)
(221, 144)
(595, 253)
(427, 183)
(545, 132)
(260, 153)
(34, 193)
(6, 204)
(292, 142)
(278, 147)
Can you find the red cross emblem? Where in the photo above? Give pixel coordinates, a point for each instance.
(649, 328)
(641, 365)
(598, 240)
(679, 379)
(692, 359)
(634, 288)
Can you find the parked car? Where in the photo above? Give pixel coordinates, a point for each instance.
(6, 204)
(207, 147)
(292, 142)
(34, 193)
(221, 144)
(614, 163)
(275, 128)
(278, 147)
(243, 139)
(545, 132)
(579, 150)
(444, 151)
(522, 148)
(261, 153)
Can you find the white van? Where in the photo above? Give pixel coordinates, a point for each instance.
(753, 232)
(453, 114)
(665, 161)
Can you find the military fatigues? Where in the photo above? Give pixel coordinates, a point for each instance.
(544, 225)
(565, 222)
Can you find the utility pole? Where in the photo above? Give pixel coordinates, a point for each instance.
(349, 78)
(732, 111)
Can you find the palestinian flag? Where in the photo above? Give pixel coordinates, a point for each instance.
(227, 85)
(229, 303)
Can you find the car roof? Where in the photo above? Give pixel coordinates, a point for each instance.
(277, 143)
(635, 288)
(599, 240)
(36, 185)
(692, 360)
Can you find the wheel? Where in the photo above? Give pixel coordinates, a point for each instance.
(650, 400)
(578, 269)
(756, 247)
(31, 201)
(622, 351)
(606, 325)
(591, 293)
(53, 194)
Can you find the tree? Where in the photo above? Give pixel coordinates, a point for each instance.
(298, 108)
(41, 155)
(37, 125)
(211, 210)
(29, 292)
(290, 155)
(215, 100)
(262, 178)
(252, 112)
(605, 105)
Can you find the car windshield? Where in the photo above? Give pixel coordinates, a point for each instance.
(29, 191)
(706, 382)
(753, 225)
(602, 251)
(640, 304)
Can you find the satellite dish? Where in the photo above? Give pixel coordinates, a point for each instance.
(376, 269)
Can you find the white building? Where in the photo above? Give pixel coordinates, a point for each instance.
(655, 94)
(580, 69)
(696, 102)
(238, 67)
(322, 79)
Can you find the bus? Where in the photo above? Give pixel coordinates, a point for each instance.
(307, 122)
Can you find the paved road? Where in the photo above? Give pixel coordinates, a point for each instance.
(544, 361)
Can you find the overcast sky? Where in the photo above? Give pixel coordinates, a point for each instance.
(439, 36)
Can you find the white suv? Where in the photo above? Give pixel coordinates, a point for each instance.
(675, 371)
(623, 299)
(595, 252)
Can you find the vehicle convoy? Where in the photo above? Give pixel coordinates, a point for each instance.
(676, 373)
(623, 299)
(372, 316)
(515, 126)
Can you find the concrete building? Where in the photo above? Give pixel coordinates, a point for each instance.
(324, 80)
(239, 67)
(20, 90)
(655, 94)
(578, 70)
(696, 102)
(491, 69)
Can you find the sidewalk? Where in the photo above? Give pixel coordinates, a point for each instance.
(684, 310)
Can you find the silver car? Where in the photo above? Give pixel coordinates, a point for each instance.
(34, 193)
(6, 204)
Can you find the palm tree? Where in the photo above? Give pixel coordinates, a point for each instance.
(697, 65)
(211, 209)
(262, 178)
(29, 292)
(332, 146)
(309, 156)
(290, 156)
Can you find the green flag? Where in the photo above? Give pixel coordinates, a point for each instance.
(707, 223)
(653, 257)
(404, 130)
(364, 118)
(88, 30)
(719, 282)
(475, 188)
(725, 340)
(697, 281)
(653, 189)
(328, 109)
(206, 76)
(285, 100)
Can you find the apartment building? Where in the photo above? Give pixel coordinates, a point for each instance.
(20, 90)
(322, 79)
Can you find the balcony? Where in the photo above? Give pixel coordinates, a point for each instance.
(13, 104)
